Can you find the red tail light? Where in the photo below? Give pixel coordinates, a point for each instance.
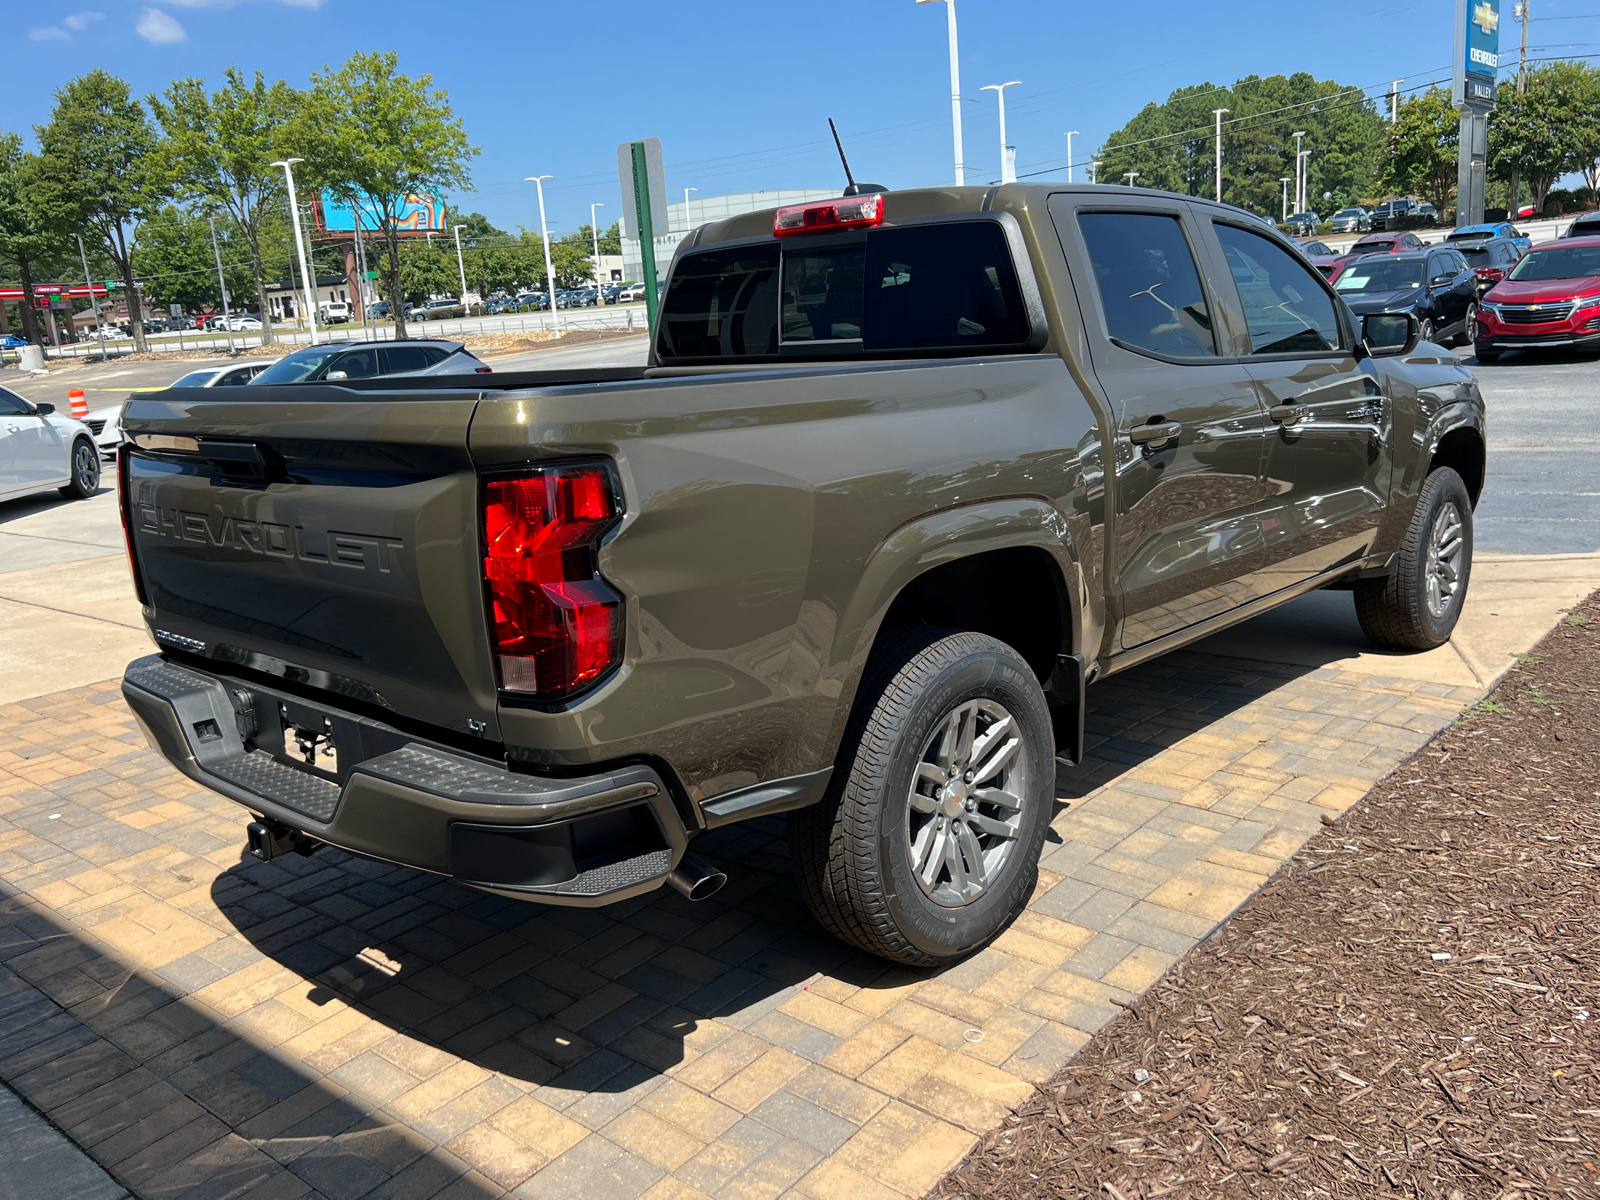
(1494, 273)
(853, 212)
(556, 625)
(125, 507)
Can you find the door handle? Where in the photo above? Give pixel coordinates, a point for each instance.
(1286, 414)
(1155, 435)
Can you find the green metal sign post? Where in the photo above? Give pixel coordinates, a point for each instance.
(647, 234)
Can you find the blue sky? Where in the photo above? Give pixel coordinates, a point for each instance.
(739, 92)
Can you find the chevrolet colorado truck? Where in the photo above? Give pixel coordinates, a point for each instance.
(906, 472)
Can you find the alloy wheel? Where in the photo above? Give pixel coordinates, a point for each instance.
(966, 804)
(86, 468)
(1445, 545)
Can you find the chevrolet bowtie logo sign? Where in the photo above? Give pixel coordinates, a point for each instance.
(1485, 17)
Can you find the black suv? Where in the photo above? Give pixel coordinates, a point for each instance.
(334, 361)
(1435, 285)
(1392, 210)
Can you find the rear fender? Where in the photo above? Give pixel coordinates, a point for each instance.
(1024, 522)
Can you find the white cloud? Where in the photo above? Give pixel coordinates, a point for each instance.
(155, 26)
(81, 21)
(49, 34)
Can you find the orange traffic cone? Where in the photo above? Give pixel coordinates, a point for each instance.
(80, 406)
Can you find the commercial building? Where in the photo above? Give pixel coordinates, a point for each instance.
(285, 299)
(683, 219)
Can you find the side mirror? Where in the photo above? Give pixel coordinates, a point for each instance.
(44, 410)
(1388, 334)
(337, 375)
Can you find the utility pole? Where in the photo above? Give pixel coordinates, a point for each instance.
(1521, 11)
(955, 89)
(223, 284)
(99, 330)
(1217, 112)
(1284, 179)
(1071, 133)
(461, 266)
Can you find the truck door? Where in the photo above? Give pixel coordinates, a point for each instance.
(1326, 466)
(1189, 425)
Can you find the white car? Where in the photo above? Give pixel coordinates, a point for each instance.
(106, 423)
(241, 324)
(41, 449)
(333, 312)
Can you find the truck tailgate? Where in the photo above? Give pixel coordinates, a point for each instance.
(315, 535)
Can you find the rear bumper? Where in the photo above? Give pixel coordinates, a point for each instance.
(585, 841)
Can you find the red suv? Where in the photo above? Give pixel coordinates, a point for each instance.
(1374, 243)
(1550, 298)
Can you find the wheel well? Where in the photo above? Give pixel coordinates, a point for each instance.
(1462, 451)
(1017, 596)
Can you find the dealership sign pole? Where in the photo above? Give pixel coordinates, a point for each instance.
(1477, 66)
(644, 208)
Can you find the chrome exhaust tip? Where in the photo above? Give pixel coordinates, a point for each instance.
(696, 878)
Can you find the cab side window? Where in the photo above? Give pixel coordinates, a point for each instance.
(1285, 308)
(400, 359)
(1149, 287)
(356, 364)
(13, 405)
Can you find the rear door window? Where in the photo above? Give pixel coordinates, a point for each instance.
(399, 359)
(939, 286)
(1149, 287)
(1285, 307)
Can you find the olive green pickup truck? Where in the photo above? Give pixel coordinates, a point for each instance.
(906, 473)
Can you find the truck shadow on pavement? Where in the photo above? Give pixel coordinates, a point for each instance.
(594, 1005)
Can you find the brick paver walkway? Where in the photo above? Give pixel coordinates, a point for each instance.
(206, 1025)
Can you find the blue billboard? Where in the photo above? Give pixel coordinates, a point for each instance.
(418, 214)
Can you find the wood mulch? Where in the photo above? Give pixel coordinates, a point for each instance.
(1408, 1009)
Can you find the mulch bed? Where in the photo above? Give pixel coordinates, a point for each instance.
(1407, 1009)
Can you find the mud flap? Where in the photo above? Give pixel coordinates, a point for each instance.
(1064, 692)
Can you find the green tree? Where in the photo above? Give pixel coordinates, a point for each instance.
(377, 136)
(95, 155)
(1551, 128)
(1172, 145)
(424, 271)
(218, 152)
(27, 240)
(1422, 148)
(174, 261)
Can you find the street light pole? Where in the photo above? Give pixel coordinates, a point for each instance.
(461, 266)
(1094, 171)
(688, 221)
(99, 329)
(306, 278)
(599, 292)
(1008, 166)
(549, 266)
(1284, 179)
(1217, 112)
(1298, 207)
(223, 284)
(1130, 177)
(1305, 180)
(1071, 133)
(955, 88)
(1394, 100)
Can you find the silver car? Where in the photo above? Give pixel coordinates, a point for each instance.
(366, 360)
(1352, 220)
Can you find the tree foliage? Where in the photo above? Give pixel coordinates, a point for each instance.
(176, 265)
(376, 136)
(1550, 129)
(29, 241)
(94, 171)
(217, 154)
(1422, 148)
(1172, 145)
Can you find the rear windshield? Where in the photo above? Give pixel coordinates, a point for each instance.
(196, 378)
(935, 287)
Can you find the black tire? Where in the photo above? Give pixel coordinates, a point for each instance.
(1485, 355)
(852, 852)
(85, 466)
(1405, 610)
(1426, 330)
(1469, 326)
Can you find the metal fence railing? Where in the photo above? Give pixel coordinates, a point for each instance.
(628, 317)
